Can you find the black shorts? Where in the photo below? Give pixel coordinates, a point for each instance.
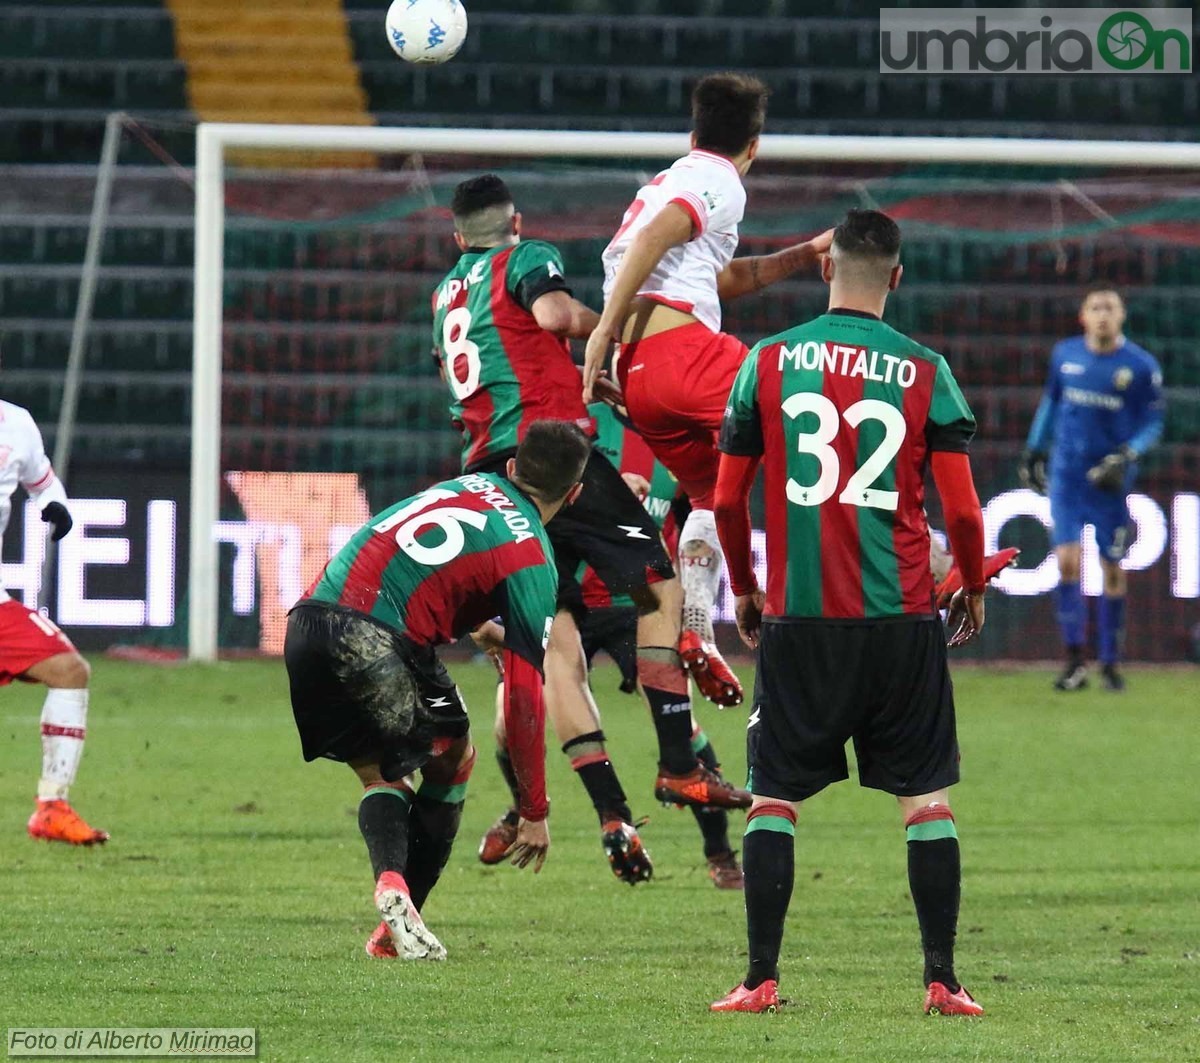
(613, 630)
(361, 689)
(609, 529)
(820, 684)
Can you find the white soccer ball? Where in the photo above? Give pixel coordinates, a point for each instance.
(426, 31)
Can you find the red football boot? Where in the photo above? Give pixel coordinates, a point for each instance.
(940, 1001)
(57, 821)
(739, 998)
(726, 872)
(993, 565)
(379, 944)
(498, 838)
(712, 676)
(699, 787)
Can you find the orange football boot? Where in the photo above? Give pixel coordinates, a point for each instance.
(627, 857)
(498, 838)
(940, 1001)
(726, 872)
(763, 999)
(993, 565)
(699, 787)
(57, 821)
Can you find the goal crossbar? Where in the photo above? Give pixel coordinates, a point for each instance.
(214, 138)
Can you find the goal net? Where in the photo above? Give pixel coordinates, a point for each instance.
(316, 401)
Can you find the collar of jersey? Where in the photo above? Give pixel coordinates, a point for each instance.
(853, 313)
(724, 159)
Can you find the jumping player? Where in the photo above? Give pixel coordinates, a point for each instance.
(610, 624)
(34, 650)
(501, 321)
(847, 414)
(368, 688)
(665, 273)
(1103, 409)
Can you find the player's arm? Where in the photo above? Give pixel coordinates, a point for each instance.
(755, 272)
(741, 446)
(949, 429)
(561, 313)
(1031, 470)
(44, 487)
(669, 228)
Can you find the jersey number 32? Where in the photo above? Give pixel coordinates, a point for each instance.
(858, 490)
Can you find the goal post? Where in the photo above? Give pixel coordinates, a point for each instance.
(216, 141)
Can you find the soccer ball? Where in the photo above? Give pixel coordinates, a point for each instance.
(426, 31)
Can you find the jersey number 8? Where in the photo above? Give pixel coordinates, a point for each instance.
(455, 345)
(858, 490)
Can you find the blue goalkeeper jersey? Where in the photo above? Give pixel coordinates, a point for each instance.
(1096, 403)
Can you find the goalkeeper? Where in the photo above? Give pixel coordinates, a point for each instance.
(1101, 411)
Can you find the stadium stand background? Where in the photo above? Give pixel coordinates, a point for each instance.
(543, 63)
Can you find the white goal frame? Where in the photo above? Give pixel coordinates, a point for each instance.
(214, 138)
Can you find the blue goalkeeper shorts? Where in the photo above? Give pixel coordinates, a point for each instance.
(1074, 502)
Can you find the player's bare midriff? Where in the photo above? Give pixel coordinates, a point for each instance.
(648, 317)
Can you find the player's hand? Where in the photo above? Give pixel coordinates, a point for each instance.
(608, 391)
(489, 639)
(1108, 474)
(532, 844)
(639, 485)
(821, 244)
(965, 618)
(1031, 471)
(748, 611)
(56, 513)
(599, 346)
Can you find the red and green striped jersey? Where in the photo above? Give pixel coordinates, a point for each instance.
(845, 411)
(630, 453)
(504, 370)
(439, 564)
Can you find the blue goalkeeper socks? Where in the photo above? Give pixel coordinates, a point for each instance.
(1070, 610)
(1111, 629)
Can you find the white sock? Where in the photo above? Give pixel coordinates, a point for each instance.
(64, 719)
(940, 560)
(700, 571)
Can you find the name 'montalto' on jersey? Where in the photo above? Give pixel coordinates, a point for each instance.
(709, 188)
(845, 411)
(437, 565)
(503, 369)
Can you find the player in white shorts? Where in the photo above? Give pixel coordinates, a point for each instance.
(33, 649)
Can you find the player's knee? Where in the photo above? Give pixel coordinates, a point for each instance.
(66, 671)
(1068, 564)
(1115, 581)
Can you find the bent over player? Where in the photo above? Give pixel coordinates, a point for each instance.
(846, 414)
(367, 686)
(666, 270)
(34, 650)
(501, 321)
(1103, 409)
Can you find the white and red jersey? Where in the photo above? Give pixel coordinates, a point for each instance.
(23, 461)
(709, 187)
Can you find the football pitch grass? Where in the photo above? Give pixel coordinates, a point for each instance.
(236, 891)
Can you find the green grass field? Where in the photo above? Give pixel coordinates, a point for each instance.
(236, 892)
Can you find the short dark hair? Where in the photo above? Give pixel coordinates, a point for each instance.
(728, 111)
(868, 234)
(479, 193)
(551, 458)
(1098, 289)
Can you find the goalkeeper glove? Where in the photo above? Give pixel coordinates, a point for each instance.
(56, 513)
(1031, 471)
(1108, 474)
